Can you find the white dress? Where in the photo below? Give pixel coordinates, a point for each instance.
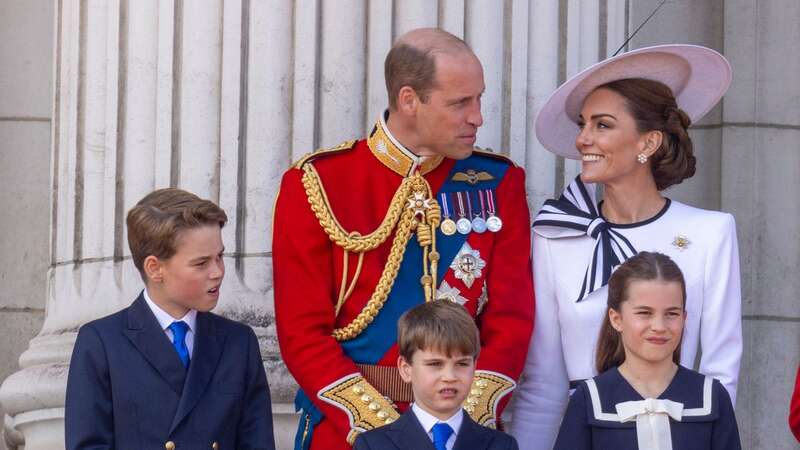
(702, 243)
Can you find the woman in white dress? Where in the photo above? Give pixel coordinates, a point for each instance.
(625, 118)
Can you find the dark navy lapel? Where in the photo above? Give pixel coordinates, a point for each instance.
(146, 335)
(407, 433)
(469, 436)
(208, 343)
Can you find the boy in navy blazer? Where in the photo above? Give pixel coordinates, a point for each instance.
(165, 372)
(438, 344)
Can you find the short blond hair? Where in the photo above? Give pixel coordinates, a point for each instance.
(157, 221)
(439, 325)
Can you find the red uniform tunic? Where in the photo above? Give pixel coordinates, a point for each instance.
(794, 408)
(308, 270)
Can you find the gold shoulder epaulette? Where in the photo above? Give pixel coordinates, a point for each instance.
(366, 408)
(488, 388)
(346, 145)
(491, 154)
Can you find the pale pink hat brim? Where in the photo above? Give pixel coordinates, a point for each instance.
(698, 77)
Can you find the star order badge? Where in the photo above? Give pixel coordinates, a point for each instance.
(468, 265)
(447, 292)
(419, 203)
(681, 242)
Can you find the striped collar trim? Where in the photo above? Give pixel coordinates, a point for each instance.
(575, 213)
(597, 406)
(394, 155)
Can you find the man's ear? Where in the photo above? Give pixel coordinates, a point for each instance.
(153, 268)
(404, 367)
(407, 101)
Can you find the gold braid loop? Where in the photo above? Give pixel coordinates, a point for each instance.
(424, 234)
(318, 200)
(385, 283)
(434, 215)
(399, 215)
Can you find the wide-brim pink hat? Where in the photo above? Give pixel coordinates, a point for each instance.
(698, 77)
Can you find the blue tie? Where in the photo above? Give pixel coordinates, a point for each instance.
(179, 329)
(441, 433)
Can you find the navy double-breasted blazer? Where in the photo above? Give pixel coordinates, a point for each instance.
(127, 388)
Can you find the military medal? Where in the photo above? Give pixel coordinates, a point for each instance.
(463, 225)
(448, 226)
(493, 223)
(478, 223)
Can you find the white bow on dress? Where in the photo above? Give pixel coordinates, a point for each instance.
(652, 421)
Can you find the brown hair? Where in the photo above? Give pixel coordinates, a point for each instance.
(653, 107)
(412, 61)
(439, 325)
(156, 222)
(646, 266)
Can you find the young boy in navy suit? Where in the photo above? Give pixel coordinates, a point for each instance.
(165, 372)
(438, 344)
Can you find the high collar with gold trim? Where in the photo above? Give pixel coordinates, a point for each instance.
(394, 155)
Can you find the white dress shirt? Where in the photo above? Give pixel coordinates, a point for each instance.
(565, 332)
(428, 421)
(165, 320)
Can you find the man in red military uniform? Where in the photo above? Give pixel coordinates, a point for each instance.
(365, 230)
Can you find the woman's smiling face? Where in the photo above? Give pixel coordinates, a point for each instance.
(609, 141)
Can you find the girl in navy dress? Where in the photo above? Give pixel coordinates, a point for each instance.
(642, 398)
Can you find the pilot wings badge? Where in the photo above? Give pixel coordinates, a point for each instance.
(471, 176)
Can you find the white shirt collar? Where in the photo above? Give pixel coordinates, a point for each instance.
(164, 319)
(428, 420)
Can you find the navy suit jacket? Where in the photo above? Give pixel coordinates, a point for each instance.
(407, 433)
(127, 388)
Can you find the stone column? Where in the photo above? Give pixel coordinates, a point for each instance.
(25, 114)
(151, 94)
(760, 160)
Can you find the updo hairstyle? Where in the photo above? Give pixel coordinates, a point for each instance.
(653, 107)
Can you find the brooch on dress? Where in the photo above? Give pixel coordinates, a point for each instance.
(681, 242)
